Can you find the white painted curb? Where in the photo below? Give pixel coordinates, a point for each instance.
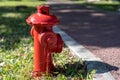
(80, 51)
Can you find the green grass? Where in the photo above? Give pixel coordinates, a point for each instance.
(16, 44)
(16, 47)
(26, 3)
(70, 67)
(102, 5)
(105, 5)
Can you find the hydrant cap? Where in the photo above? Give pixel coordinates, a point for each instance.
(42, 17)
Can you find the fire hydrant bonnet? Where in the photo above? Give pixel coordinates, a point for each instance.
(42, 17)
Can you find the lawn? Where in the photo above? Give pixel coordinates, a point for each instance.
(16, 47)
(102, 5)
(16, 3)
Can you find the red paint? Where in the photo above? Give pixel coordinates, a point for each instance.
(45, 40)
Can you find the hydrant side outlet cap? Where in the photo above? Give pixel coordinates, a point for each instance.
(42, 18)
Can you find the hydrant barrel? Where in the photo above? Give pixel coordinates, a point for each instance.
(45, 40)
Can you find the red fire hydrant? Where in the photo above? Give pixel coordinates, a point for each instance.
(45, 40)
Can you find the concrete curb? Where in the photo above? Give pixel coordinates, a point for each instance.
(90, 59)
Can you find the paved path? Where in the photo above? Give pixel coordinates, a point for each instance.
(98, 31)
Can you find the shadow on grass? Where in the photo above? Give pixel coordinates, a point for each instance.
(75, 69)
(13, 27)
